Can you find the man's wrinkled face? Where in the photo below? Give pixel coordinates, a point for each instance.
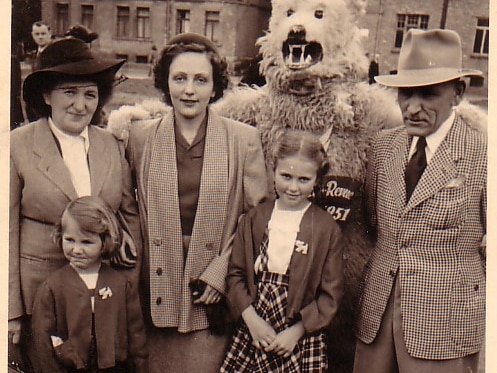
(425, 108)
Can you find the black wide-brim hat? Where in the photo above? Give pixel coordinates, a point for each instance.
(69, 56)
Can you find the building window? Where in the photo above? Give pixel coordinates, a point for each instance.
(406, 22)
(122, 21)
(212, 25)
(481, 37)
(62, 22)
(182, 21)
(87, 16)
(143, 23)
(141, 58)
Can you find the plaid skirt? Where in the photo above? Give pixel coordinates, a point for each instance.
(309, 354)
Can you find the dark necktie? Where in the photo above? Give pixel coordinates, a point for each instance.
(415, 167)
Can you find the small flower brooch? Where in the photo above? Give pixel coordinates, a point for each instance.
(105, 292)
(301, 247)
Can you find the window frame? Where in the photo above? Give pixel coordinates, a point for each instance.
(183, 20)
(87, 17)
(407, 21)
(211, 29)
(143, 23)
(123, 20)
(62, 18)
(482, 36)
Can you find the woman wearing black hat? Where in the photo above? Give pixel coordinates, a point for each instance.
(54, 160)
(196, 173)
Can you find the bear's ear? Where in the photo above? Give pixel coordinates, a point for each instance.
(357, 6)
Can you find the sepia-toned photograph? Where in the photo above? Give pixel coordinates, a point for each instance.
(248, 186)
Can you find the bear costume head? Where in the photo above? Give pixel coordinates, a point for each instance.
(312, 40)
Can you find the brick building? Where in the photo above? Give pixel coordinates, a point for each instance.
(386, 22)
(129, 28)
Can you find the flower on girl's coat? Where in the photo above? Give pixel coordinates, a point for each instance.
(105, 292)
(301, 247)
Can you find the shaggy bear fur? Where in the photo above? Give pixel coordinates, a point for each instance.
(316, 73)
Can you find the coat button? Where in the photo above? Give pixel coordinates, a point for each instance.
(476, 287)
(157, 241)
(159, 271)
(209, 246)
(391, 273)
(158, 301)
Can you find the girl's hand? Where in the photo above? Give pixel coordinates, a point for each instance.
(285, 341)
(209, 296)
(261, 332)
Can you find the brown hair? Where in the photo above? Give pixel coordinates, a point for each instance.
(170, 51)
(294, 142)
(94, 216)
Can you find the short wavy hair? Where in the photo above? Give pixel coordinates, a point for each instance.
(170, 51)
(94, 216)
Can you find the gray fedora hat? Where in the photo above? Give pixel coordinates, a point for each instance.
(426, 58)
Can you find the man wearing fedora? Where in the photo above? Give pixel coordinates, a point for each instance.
(422, 298)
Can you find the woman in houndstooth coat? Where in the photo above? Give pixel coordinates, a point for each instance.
(195, 174)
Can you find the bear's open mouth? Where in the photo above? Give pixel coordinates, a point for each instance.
(301, 55)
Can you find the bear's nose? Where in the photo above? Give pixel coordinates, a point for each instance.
(297, 32)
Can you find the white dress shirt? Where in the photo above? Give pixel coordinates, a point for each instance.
(434, 140)
(75, 154)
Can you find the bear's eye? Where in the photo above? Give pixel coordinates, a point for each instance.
(318, 14)
(290, 12)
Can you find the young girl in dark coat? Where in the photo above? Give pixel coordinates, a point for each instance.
(285, 275)
(86, 315)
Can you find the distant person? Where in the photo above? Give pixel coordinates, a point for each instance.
(374, 69)
(81, 32)
(42, 36)
(152, 59)
(87, 315)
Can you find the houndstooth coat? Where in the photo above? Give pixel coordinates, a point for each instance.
(233, 180)
(433, 244)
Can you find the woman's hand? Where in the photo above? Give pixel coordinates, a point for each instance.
(125, 257)
(262, 333)
(285, 341)
(15, 331)
(209, 296)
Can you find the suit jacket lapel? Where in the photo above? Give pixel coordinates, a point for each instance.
(50, 161)
(442, 166)
(98, 168)
(395, 168)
